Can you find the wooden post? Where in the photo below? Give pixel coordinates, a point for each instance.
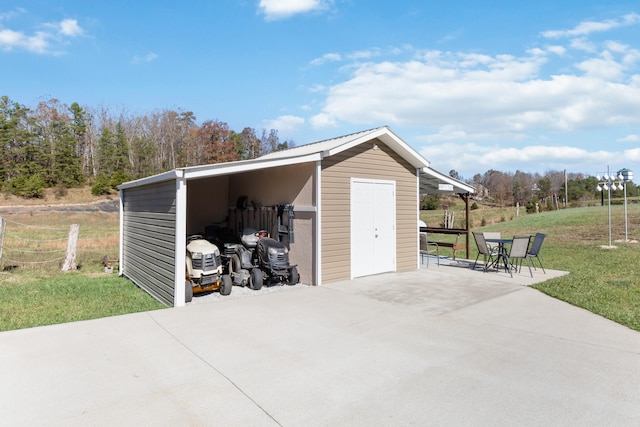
(3, 229)
(72, 246)
(467, 210)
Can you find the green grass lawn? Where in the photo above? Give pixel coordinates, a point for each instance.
(603, 281)
(29, 298)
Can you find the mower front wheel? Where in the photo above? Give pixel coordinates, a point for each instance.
(294, 277)
(227, 285)
(256, 279)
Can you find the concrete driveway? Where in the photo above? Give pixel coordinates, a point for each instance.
(439, 346)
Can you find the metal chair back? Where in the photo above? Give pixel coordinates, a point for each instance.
(519, 247)
(534, 252)
(481, 243)
(538, 239)
(425, 249)
(493, 247)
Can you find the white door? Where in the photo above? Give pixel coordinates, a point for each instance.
(373, 227)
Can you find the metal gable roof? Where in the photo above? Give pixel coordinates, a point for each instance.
(330, 147)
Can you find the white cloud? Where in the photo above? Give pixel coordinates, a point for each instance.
(501, 96)
(558, 50)
(587, 27)
(364, 54)
(282, 9)
(617, 47)
(630, 138)
(631, 57)
(327, 57)
(323, 121)
(11, 14)
(149, 57)
(474, 103)
(605, 67)
(46, 41)
(285, 124)
(358, 55)
(70, 27)
(583, 44)
(632, 155)
(38, 43)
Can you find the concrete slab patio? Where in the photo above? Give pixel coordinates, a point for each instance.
(439, 346)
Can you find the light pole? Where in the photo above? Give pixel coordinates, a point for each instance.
(607, 182)
(627, 176)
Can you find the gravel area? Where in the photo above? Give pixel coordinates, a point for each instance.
(241, 292)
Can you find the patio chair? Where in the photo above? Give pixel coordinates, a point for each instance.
(519, 251)
(534, 251)
(483, 250)
(427, 248)
(492, 235)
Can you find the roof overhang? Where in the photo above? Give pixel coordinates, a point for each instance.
(387, 136)
(434, 182)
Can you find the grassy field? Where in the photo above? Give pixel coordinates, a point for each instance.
(604, 281)
(40, 294)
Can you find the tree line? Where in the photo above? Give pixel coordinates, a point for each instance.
(56, 145)
(551, 190)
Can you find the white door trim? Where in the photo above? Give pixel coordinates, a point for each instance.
(373, 226)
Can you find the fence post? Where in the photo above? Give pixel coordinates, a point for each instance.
(3, 227)
(72, 246)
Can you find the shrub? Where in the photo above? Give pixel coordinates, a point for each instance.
(430, 202)
(30, 186)
(60, 191)
(101, 186)
(118, 178)
(474, 206)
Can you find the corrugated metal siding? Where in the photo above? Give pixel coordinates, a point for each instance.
(364, 162)
(149, 224)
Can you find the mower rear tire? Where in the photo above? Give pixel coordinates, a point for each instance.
(294, 277)
(234, 264)
(227, 285)
(256, 279)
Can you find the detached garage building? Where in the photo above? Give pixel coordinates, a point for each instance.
(352, 210)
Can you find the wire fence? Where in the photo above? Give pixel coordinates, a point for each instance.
(34, 245)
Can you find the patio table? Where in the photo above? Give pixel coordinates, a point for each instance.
(502, 253)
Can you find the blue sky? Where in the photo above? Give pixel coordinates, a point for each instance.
(472, 86)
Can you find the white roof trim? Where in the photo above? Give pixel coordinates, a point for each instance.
(154, 179)
(245, 166)
(428, 177)
(330, 147)
(217, 169)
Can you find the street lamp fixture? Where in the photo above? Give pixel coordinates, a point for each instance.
(608, 183)
(627, 176)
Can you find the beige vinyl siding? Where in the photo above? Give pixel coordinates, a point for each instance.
(149, 223)
(363, 161)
